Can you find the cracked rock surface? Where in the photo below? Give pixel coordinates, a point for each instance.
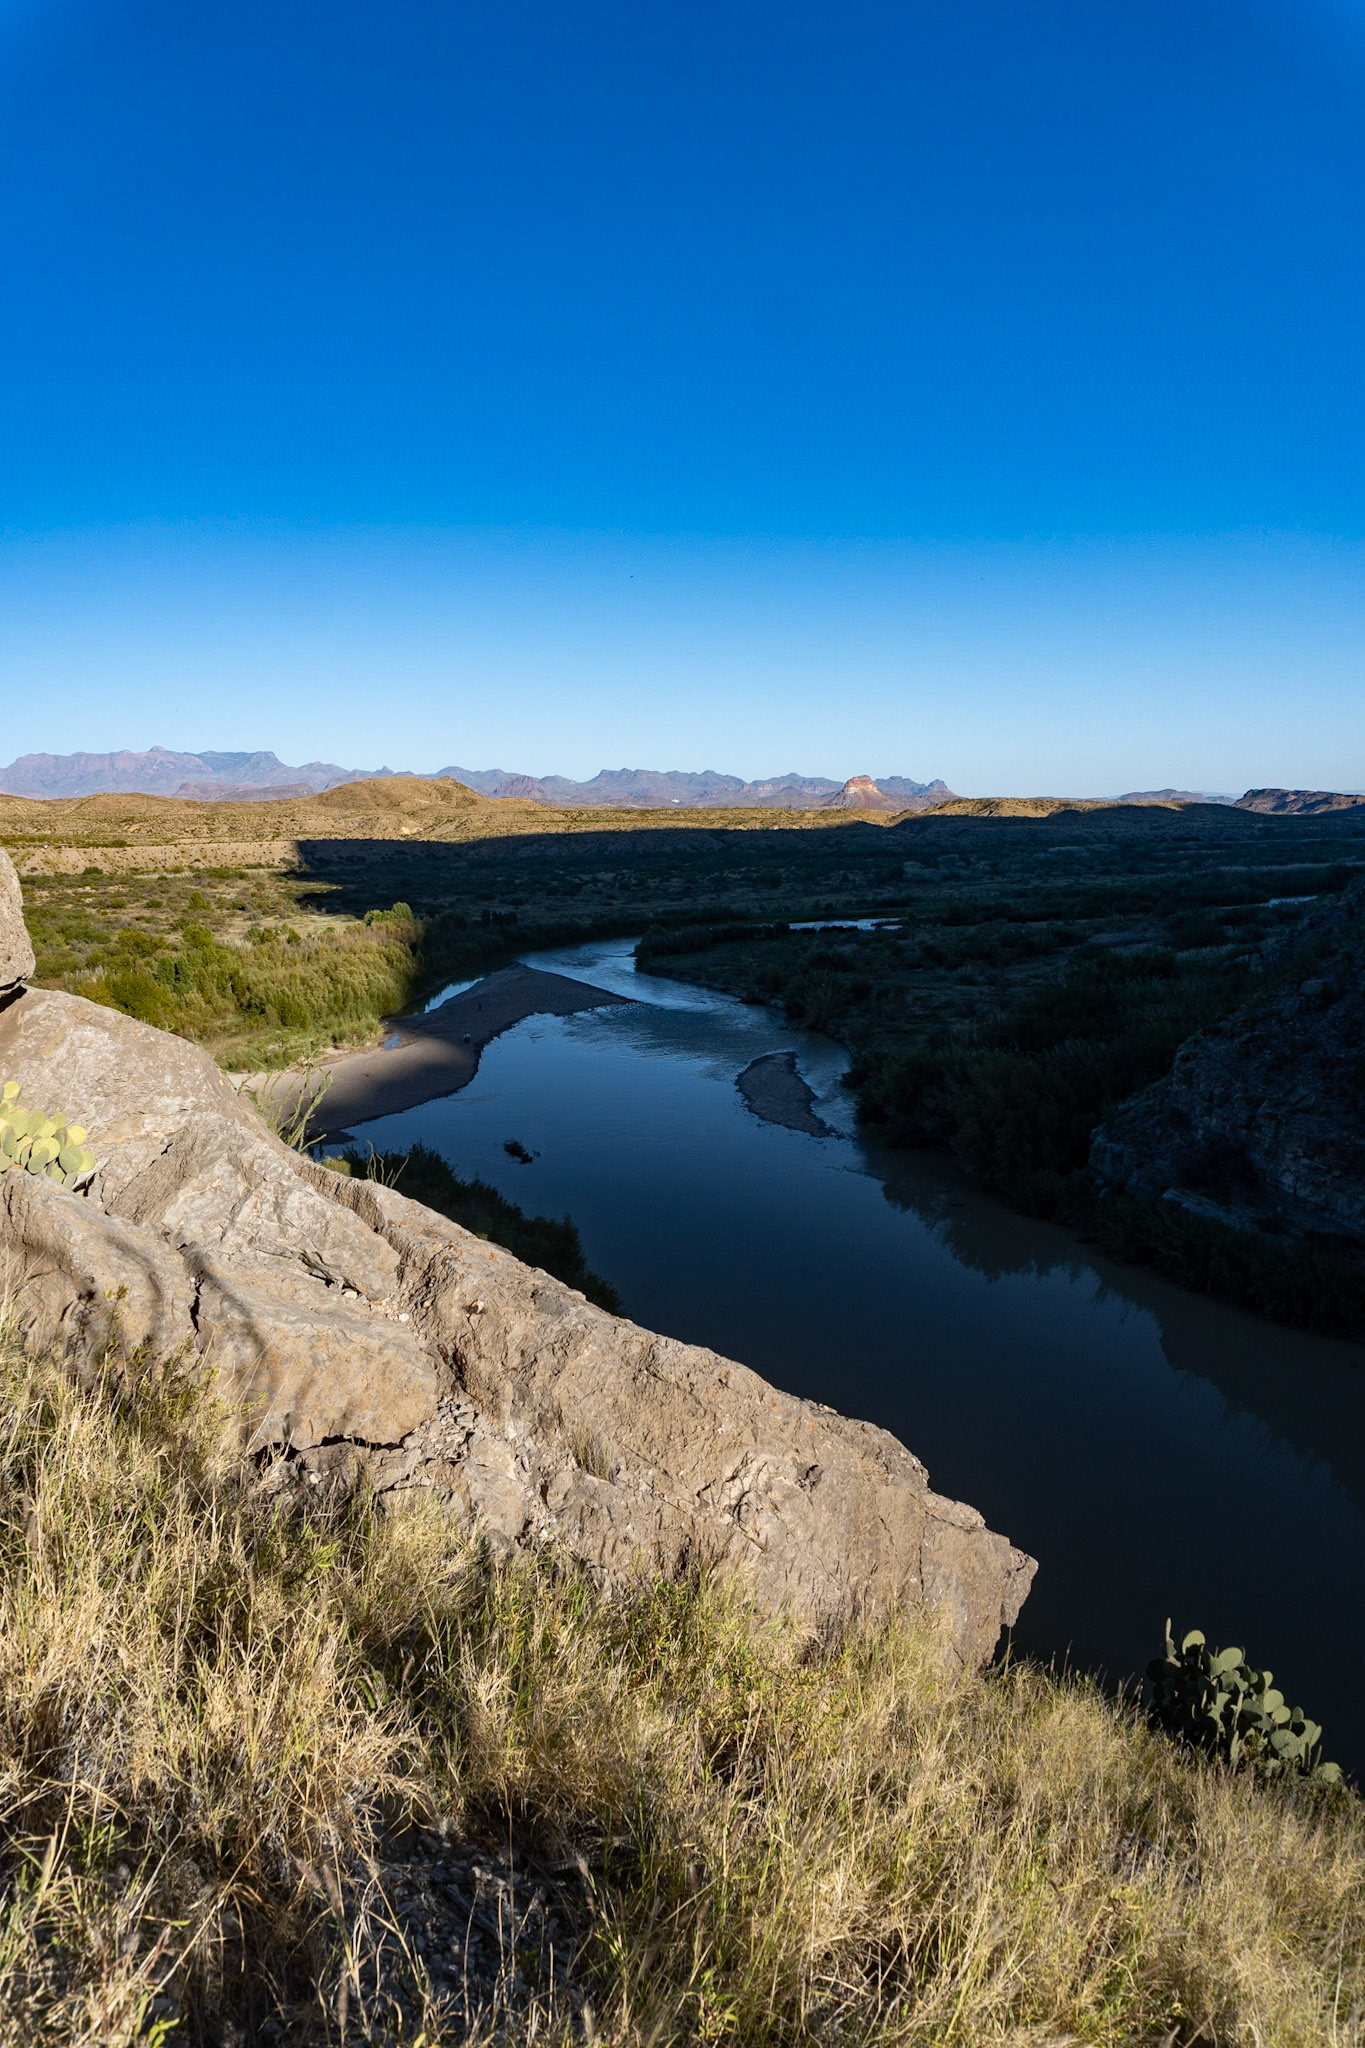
(357, 1332)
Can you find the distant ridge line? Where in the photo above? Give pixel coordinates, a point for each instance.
(707, 789)
(161, 772)
(212, 777)
(260, 776)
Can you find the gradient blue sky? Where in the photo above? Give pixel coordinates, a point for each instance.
(969, 389)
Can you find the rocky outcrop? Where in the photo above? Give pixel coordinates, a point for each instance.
(860, 793)
(86, 1281)
(16, 950)
(351, 1330)
(1261, 1120)
(1299, 803)
(635, 1447)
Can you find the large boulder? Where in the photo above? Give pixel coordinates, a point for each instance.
(642, 1450)
(356, 1331)
(303, 1367)
(86, 1281)
(16, 948)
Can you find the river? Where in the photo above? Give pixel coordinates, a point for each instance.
(1157, 1452)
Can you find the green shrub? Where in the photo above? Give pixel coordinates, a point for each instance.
(817, 997)
(139, 993)
(1018, 1100)
(138, 945)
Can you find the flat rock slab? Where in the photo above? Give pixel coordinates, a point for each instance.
(775, 1091)
(438, 1052)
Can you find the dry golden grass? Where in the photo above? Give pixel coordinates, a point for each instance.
(211, 1702)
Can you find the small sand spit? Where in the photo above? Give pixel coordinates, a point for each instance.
(775, 1091)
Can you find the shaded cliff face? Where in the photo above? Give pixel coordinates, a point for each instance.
(1262, 1119)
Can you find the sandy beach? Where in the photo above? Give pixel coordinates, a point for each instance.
(437, 1052)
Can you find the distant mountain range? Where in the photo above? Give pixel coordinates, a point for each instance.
(1178, 796)
(636, 789)
(158, 772)
(251, 778)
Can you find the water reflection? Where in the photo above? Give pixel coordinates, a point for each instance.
(1308, 1391)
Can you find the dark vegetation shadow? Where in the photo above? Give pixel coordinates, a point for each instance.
(552, 1244)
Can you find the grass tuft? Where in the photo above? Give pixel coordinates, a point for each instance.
(214, 1701)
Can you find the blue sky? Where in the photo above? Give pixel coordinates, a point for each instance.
(966, 389)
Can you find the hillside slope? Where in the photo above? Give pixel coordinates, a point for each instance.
(1261, 1120)
(1299, 803)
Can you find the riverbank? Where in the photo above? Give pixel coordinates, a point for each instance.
(1008, 1041)
(430, 1054)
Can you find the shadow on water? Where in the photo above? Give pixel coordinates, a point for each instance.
(1226, 1487)
(1160, 1453)
(1309, 1392)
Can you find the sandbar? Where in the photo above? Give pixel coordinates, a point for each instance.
(438, 1050)
(775, 1091)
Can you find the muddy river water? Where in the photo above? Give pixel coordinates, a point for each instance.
(1157, 1452)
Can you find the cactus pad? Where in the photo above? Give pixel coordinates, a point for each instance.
(1216, 1701)
(48, 1145)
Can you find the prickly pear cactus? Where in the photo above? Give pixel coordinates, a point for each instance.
(1218, 1702)
(48, 1145)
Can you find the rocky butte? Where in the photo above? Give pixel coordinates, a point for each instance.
(351, 1331)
